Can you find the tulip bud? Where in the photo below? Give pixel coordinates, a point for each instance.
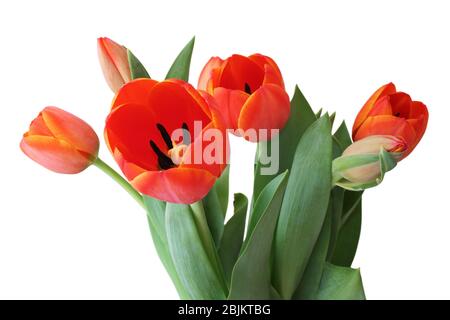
(114, 62)
(60, 141)
(364, 163)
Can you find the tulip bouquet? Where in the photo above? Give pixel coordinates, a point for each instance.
(297, 236)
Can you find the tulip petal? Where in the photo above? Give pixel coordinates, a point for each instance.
(272, 72)
(55, 155)
(364, 112)
(129, 169)
(207, 74)
(401, 104)
(114, 62)
(389, 125)
(68, 127)
(241, 73)
(230, 103)
(39, 127)
(129, 129)
(134, 92)
(177, 185)
(267, 108)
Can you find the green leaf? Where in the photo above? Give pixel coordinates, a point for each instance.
(310, 282)
(304, 206)
(341, 283)
(182, 63)
(136, 67)
(343, 137)
(191, 261)
(301, 117)
(336, 206)
(215, 204)
(233, 235)
(155, 218)
(252, 272)
(350, 229)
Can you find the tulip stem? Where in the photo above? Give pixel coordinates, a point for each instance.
(120, 180)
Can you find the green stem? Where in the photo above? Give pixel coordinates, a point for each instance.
(120, 180)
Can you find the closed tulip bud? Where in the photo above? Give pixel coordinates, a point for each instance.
(60, 141)
(114, 62)
(364, 163)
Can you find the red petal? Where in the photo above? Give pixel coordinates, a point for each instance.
(388, 125)
(364, 112)
(272, 72)
(238, 71)
(230, 103)
(134, 92)
(176, 185)
(401, 104)
(267, 108)
(207, 73)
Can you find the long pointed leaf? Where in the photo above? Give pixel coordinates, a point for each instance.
(304, 206)
(251, 274)
(340, 283)
(181, 65)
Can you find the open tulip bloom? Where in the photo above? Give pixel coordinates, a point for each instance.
(297, 237)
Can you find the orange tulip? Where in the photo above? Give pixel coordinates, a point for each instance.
(388, 112)
(114, 62)
(139, 133)
(249, 91)
(60, 141)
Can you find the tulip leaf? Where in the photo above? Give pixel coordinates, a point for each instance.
(190, 258)
(155, 217)
(343, 137)
(215, 204)
(136, 67)
(252, 272)
(340, 283)
(304, 206)
(181, 65)
(336, 206)
(301, 117)
(233, 235)
(346, 244)
(309, 284)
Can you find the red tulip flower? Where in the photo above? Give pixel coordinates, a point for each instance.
(388, 112)
(114, 62)
(60, 141)
(249, 91)
(139, 132)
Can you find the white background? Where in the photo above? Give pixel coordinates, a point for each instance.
(81, 236)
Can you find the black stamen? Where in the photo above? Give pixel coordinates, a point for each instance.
(164, 162)
(247, 88)
(397, 114)
(186, 134)
(165, 135)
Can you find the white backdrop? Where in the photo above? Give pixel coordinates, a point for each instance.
(81, 236)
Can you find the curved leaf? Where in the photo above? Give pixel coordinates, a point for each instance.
(340, 283)
(181, 65)
(233, 235)
(304, 206)
(251, 274)
(191, 261)
(136, 67)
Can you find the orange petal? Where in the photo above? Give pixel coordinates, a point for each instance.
(272, 72)
(267, 108)
(134, 92)
(39, 127)
(388, 125)
(65, 126)
(129, 169)
(177, 185)
(418, 118)
(55, 155)
(229, 104)
(364, 112)
(207, 73)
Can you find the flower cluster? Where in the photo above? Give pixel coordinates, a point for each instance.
(170, 139)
